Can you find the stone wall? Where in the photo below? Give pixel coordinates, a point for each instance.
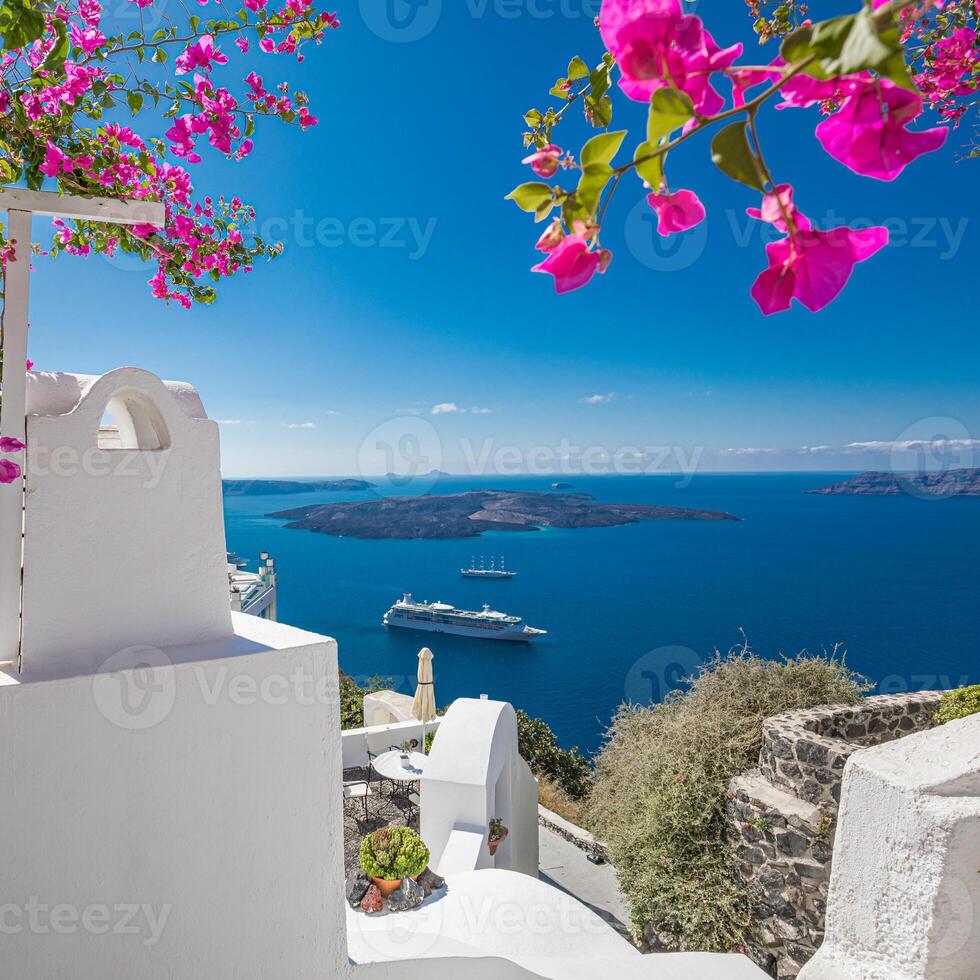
(783, 815)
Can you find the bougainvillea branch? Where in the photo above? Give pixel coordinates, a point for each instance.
(72, 94)
(855, 68)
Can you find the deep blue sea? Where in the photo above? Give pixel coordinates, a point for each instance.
(894, 581)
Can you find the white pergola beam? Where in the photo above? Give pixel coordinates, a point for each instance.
(82, 208)
(13, 422)
(21, 206)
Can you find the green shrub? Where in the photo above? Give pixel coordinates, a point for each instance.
(352, 699)
(661, 782)
(960, 703)
(393, 853)
(429, 739)
(539, 748)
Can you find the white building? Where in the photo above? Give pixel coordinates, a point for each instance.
(171, 772)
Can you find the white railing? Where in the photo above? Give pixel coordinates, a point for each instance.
(355, 740)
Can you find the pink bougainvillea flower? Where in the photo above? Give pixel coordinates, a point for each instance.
(30, 365)
(144, 231)
(573, 263)
(552, 237)
(9, 471)
(676, 212)
(869, 133)
(656, 44)
(242, 43)
(89, 39)
(55, 162)
(813, 266)
(544, 162)
(8, 444)
(777, 207)
(199, 55)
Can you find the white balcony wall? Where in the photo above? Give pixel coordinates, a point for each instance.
(474, 774)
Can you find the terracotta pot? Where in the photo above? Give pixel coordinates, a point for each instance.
(495, 842)
(387, 887)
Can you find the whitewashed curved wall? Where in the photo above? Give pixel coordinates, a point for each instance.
(125, 546)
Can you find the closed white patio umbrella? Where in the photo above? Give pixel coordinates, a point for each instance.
(424, 705)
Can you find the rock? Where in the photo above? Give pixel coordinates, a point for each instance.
(431, 882)
(408, 895)
(357, 884)
(792, 844)
(372, 901)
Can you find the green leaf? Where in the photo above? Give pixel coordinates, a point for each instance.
(878, 48)
(577, 69)
(60, 50)
(533, 118)
(21, 23)
(598, 106)
(591, 185)
(159, 56)
(732, 155)
(598, 111)
(669, 110)
(651, 170)
(530, 196)
(848, 45)
(135, 102)
(602, 148)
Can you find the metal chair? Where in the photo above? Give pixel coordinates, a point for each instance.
(358, 789)
(377, 744)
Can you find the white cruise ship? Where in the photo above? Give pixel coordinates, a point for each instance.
(440, 617)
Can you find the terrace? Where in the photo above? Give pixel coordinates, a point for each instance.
(163, 753)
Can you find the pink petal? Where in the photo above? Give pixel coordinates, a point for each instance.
(676, 212)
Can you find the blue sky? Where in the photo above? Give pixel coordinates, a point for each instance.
(418, 292)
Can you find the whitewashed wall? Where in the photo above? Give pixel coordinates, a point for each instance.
(904, 900)
(474, 774)
(222, 817)
(355, 740)
(122, 546)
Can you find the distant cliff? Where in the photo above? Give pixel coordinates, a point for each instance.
(468, 515)
(267, 488)
(948, 483)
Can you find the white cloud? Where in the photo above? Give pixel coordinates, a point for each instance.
(331, 412)
(476, 410)
(598, 399)
(228, 421)
(909, 445)
(446, 408)
(748, 451)
(408, 411)
(299, 425)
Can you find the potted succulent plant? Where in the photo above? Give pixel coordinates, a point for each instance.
(393, 853)
(406, 749)
(498, 834)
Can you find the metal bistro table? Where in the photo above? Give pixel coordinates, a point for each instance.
(388, 765)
